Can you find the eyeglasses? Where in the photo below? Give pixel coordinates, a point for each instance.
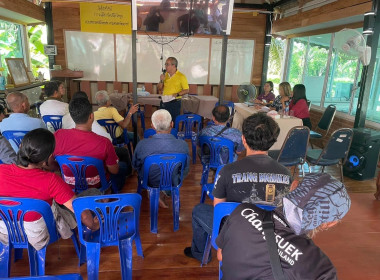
(167, 64)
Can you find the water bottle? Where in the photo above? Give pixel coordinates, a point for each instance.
(143, 88)
(286, 110)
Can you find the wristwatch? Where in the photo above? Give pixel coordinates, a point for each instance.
(178, 95)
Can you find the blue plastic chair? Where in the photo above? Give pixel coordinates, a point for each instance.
(55, 121)
(48, 277)
(208, 187)
(117, 228)
(189, 122)
(150, 132)
(222, 210)
(14, 137)
(335, 152)
(110, 125)
(167, 163)
(293, 150)
(218, 147)
(37, 105)
(17, 238)
(78, 166)
(141, 114)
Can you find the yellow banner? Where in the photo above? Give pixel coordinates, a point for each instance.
(105, 18)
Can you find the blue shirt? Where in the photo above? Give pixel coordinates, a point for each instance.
(21, 122)
(230, 133)
(156, 145)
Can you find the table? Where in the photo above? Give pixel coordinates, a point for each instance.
(242, 111)
(197, 104)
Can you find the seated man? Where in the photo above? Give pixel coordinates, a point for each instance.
(318, 203)
(67, 120)
(19, 119)
(81, 141)
(122, 153)
(256, 178)
(106, 111)
(161, 143)
(220, 116)
(29, 179)
(54, 105)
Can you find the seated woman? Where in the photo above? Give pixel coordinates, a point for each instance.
(299, 105)
(283, 98)
(267, 96)
(28, 179)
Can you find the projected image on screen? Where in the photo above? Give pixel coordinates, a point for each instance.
(186, 17)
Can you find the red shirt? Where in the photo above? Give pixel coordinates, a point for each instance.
(75, 142)
(33, 183)
(300, 109)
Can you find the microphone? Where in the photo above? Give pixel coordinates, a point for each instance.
(163, 71)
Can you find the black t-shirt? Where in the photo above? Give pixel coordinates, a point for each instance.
(245, 252)
(254, 179)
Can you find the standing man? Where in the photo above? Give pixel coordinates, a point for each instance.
(173, 85)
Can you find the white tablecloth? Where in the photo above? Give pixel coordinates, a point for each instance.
(242, 112)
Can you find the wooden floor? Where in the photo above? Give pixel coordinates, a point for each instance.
(353, 245)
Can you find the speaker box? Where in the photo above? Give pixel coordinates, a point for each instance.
(363, 155)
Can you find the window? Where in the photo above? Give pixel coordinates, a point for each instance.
(297, 60)
(37, 39)
(331, 77)
(10, 42)
(315, 70)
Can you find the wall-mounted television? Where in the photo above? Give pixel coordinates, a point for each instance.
(186, 17)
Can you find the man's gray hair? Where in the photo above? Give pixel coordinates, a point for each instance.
(161, 120)
(102, 97)
(173, 61)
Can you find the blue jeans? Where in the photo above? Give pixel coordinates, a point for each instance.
(118, 179)
(203, 215)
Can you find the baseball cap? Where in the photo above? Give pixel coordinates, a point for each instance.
(318, 199)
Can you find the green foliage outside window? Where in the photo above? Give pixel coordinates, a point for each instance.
(37, 40)
(10, 42)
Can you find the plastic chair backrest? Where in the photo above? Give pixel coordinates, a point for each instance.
(109, 210)
(167, 163)
(217, 147)
(54, 120)
(295, 144)
(48, 277)
(18, 208)
(221, 210)
(78, 166)
(190, 121)
(327, 118)
(14, 137)
(224, 209)
(111, 127)
(338, 145)
(150, 132)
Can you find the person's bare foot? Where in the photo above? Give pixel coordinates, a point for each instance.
(162, 203)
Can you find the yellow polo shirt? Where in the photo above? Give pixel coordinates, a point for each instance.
(109, 113)
(174, 84)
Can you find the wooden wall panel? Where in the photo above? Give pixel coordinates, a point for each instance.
(244, 26)
(333, 11)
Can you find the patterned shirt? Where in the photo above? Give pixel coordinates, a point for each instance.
(230, 133)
